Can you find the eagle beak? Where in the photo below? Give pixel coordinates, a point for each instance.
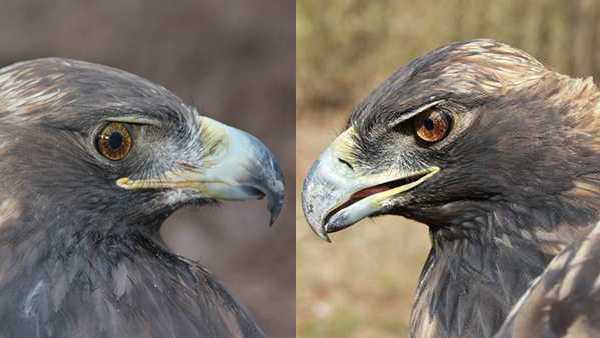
(335, 195)
(235, 166)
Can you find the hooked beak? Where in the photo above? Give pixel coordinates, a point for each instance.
(335, 195)
(238, 167)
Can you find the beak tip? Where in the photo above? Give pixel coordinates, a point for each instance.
(272, 220)
(320, 231)
(323, 235)
(275, 205)
(276, 191)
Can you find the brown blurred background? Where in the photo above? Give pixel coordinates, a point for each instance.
(362, 285)
(235, 61)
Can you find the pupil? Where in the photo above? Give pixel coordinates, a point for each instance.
(115, 140)
(428, 123)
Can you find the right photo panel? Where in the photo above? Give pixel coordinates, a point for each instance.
(448, 179)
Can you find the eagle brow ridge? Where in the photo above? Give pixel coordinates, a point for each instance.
(135, 119)
(412, 112)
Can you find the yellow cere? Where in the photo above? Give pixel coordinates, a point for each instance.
(344, 144)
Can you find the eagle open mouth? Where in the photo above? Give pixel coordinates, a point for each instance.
(364, 193)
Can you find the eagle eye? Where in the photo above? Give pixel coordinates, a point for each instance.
(114, 141)
(432, 125)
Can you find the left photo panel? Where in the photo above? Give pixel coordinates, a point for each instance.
(147, 165)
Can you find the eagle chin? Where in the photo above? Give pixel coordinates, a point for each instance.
(498, 156)
(92, 161)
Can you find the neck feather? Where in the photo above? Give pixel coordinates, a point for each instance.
(480, 265)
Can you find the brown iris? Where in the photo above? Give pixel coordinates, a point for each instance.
(114, 141)
(432, 125)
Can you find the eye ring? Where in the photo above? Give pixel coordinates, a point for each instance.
(432, 125)
(114, 141)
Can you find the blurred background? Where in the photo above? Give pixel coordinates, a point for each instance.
(235, 61)
(363, 284)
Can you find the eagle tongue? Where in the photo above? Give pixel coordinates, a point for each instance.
(369, 191)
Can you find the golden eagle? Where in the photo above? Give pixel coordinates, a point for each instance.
(499, 156)
(92, 161)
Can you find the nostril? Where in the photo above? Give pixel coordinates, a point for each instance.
(346, 163)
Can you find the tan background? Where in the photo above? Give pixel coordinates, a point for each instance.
(362, 285)
(234, 60)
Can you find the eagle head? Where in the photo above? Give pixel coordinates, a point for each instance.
(463, 136)
(93, 145)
